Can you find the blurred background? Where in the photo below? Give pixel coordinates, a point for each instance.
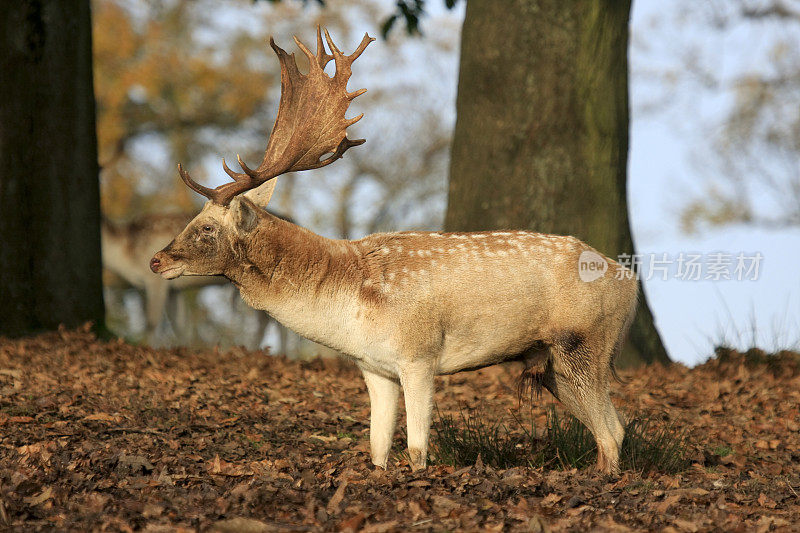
(714, 161)
(715, 165)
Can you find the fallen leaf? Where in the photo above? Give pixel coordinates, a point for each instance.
(550, 500)
(336, 499)
(243, 525)
(40, 498)
(686, 525)
(103, 417)
(353, 523)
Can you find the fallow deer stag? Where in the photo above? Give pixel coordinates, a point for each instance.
(407, 306)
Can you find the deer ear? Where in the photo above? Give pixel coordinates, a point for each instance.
(245, 214)
(262, 194)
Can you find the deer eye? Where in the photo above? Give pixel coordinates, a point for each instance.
(208, 228)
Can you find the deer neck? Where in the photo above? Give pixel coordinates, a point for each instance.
(307, 282)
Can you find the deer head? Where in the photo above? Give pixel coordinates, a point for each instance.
(310, 132)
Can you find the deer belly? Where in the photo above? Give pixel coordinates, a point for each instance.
(480, 348)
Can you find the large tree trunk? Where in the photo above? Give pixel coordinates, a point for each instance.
(541, 139)
(49, 198)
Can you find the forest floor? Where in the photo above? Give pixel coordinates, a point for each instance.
(101, 435)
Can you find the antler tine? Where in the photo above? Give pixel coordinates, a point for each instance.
(340, 150)
(334, 50)
(323, 57)
(237, 176)
(312, 59)
(310, 124)
(247, 170)
(355, 55)
(351, 121)
(361, 47)
(283, 58)
(358, 92)
(196, 187)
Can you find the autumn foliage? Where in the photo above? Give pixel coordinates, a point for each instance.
(156, 82)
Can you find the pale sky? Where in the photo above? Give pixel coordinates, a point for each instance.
(665, 141)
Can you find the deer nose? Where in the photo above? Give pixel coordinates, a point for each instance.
(155, 262)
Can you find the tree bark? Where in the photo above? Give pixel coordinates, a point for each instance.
(49, 194)
(541, 138)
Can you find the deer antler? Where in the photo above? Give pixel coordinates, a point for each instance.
(309, 125)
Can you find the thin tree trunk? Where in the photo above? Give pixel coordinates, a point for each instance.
(541, 138)
(49, 197)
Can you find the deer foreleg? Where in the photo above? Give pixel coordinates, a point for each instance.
(383, 394)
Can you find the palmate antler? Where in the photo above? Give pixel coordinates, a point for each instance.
(309, 125)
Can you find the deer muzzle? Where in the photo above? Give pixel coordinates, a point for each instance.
(161, 263)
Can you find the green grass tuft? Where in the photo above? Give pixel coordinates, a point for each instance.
(460, 441)
(564, 443)
(650, 446)
(722, 451)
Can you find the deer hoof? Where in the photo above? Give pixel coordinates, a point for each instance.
(418, 459)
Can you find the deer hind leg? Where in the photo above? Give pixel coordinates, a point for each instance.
(417, 381)
(283, 338)
(613, 420)
(262, 323)
(178, 317)
(156, 292)
(578, 377)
